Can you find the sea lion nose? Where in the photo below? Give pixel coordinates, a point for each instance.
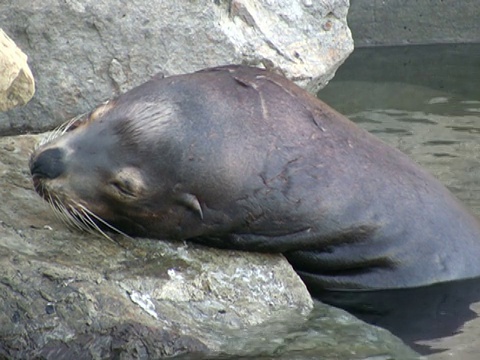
(48, 164)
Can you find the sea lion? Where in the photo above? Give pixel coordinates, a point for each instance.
(241, 158)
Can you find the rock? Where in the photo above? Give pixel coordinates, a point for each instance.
(71, 288)
(17, 85)
(66, 295)
(84, 52)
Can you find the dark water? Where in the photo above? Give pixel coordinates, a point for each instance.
(424, 100)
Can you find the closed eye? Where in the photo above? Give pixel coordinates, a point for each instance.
(123, 187)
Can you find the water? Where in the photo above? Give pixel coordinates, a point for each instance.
(425, 101)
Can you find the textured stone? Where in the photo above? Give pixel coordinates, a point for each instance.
(84, 52)
(69, 295)
(17, 85)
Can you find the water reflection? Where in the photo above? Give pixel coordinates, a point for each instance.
(424, 101)
(415, 315)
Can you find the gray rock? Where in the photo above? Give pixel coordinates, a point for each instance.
(68, 295)
(16, 80)
(84, 52)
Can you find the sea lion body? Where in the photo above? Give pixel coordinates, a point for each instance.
(241, 158)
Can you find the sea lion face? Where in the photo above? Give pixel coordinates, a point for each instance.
(97, 171)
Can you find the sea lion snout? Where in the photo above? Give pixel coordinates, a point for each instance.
(48, 164)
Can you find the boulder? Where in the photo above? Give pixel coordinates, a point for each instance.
(71, 295)
(17, 85)
(84, 52)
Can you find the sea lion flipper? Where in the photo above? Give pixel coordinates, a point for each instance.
(191, 202)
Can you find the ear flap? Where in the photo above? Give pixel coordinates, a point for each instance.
(191, 202)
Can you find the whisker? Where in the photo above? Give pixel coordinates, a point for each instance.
(92, 227)
(99, 219)
(81, 218)
(60, 130)
(95, 228)
(72, 217)
(66, 217)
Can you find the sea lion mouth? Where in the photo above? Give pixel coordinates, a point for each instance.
(72, 213)
(79, 217)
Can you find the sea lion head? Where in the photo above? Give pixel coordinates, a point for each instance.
(179, 158)
(100, 170)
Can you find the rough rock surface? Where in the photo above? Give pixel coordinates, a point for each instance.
(17, 85)
(84, 52)
(68, 295)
